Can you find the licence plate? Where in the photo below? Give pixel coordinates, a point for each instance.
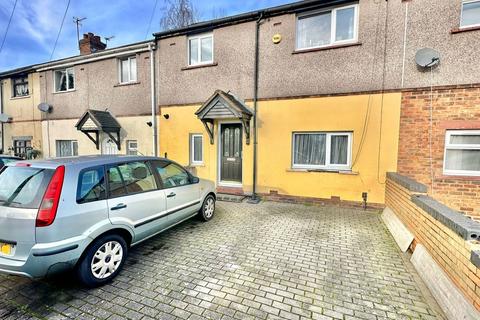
(6, 248)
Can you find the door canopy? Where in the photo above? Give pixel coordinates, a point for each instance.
(94, 121)
(224, 105)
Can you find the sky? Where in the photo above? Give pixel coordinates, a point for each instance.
(35, 24)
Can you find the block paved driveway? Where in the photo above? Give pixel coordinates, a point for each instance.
(261, 261)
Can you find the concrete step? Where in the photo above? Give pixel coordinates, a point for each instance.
(230, 197)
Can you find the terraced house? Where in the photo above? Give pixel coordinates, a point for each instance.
(372, 103)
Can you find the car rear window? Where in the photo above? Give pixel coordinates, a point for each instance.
(23, 187)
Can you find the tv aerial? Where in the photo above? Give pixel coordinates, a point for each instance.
(108, 39)
(427, 58)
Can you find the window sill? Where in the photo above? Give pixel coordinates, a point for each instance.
(68, 91)
(20, 97)
(336, 46)
(345, 172)
(126, 84)
(197, 165)
(464, 29)
(198, 66)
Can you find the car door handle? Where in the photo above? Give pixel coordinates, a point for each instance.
(119, 207)
(171, 195)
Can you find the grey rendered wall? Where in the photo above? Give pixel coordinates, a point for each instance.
(96, 87)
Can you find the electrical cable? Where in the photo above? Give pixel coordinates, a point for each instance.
(151, 19)
(369, 103)
(60, 30)
(383, 94)
(8, 26)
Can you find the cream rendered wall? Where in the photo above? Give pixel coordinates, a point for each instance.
(24, 112)
(133, 128)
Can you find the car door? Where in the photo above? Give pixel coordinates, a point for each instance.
(183, 196)
(134, 198)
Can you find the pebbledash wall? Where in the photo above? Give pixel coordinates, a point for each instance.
(451, 108)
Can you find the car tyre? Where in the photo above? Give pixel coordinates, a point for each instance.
(102, 261)
(208, 208)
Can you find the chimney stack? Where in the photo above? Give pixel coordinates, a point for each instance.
(91, 44)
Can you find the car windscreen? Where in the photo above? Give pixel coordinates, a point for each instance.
(23, 187)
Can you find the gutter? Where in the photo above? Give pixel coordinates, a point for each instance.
(296, 7)
(95, 57)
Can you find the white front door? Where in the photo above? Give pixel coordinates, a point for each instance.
(109, 146)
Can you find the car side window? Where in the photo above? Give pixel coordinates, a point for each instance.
(171, 174)
(91, 185)
(130, 178)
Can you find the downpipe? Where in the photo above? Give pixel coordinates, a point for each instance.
(152, 48)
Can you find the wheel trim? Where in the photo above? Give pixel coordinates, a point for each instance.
(106, 260)
(209, 208)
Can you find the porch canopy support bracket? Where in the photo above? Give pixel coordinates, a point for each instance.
(224, 105)
(92, 122)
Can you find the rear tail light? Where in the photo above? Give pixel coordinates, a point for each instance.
(48, 208)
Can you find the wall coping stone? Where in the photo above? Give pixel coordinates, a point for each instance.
(475, 258)
(407, 182)
(465, 227)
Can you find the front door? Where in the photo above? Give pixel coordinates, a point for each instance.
(109, 147)
(231, 153)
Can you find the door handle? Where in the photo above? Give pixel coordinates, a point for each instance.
(171, 195)
(118, 207)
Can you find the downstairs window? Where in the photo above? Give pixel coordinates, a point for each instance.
(462, 153)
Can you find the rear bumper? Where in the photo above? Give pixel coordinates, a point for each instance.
(45, 259)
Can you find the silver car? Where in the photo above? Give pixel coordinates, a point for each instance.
(86, 212)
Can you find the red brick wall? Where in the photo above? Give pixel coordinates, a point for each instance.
(453, 108)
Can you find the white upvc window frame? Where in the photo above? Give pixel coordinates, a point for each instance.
(192, 149)
(449, 146)
(129, 59)
(130, 148)
(328, 144)
(461, 15)
(67, 79)
(72, 143)
(199, 37)
(333, 27)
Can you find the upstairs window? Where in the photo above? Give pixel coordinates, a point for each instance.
(325, 28)
(64, 80)
(462, 153)
(470, 13)
(128, 69)
(200, 49)
(322, 150)
(20, 86)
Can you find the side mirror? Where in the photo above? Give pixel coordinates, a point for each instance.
(194, 179)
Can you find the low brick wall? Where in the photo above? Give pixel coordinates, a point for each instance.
(447, 235)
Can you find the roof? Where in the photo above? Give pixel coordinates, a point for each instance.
(34, 67)
(103, 120)
(294, 7)
(234, 105)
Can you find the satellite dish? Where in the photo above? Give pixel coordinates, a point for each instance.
(427, 58)
(5, 117)
(44, 107)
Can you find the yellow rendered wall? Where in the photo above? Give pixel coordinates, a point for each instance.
(174, 140)
(133, 128)
(277, 120)
(24, 112)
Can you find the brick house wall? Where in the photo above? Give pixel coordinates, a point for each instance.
(455, 107)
